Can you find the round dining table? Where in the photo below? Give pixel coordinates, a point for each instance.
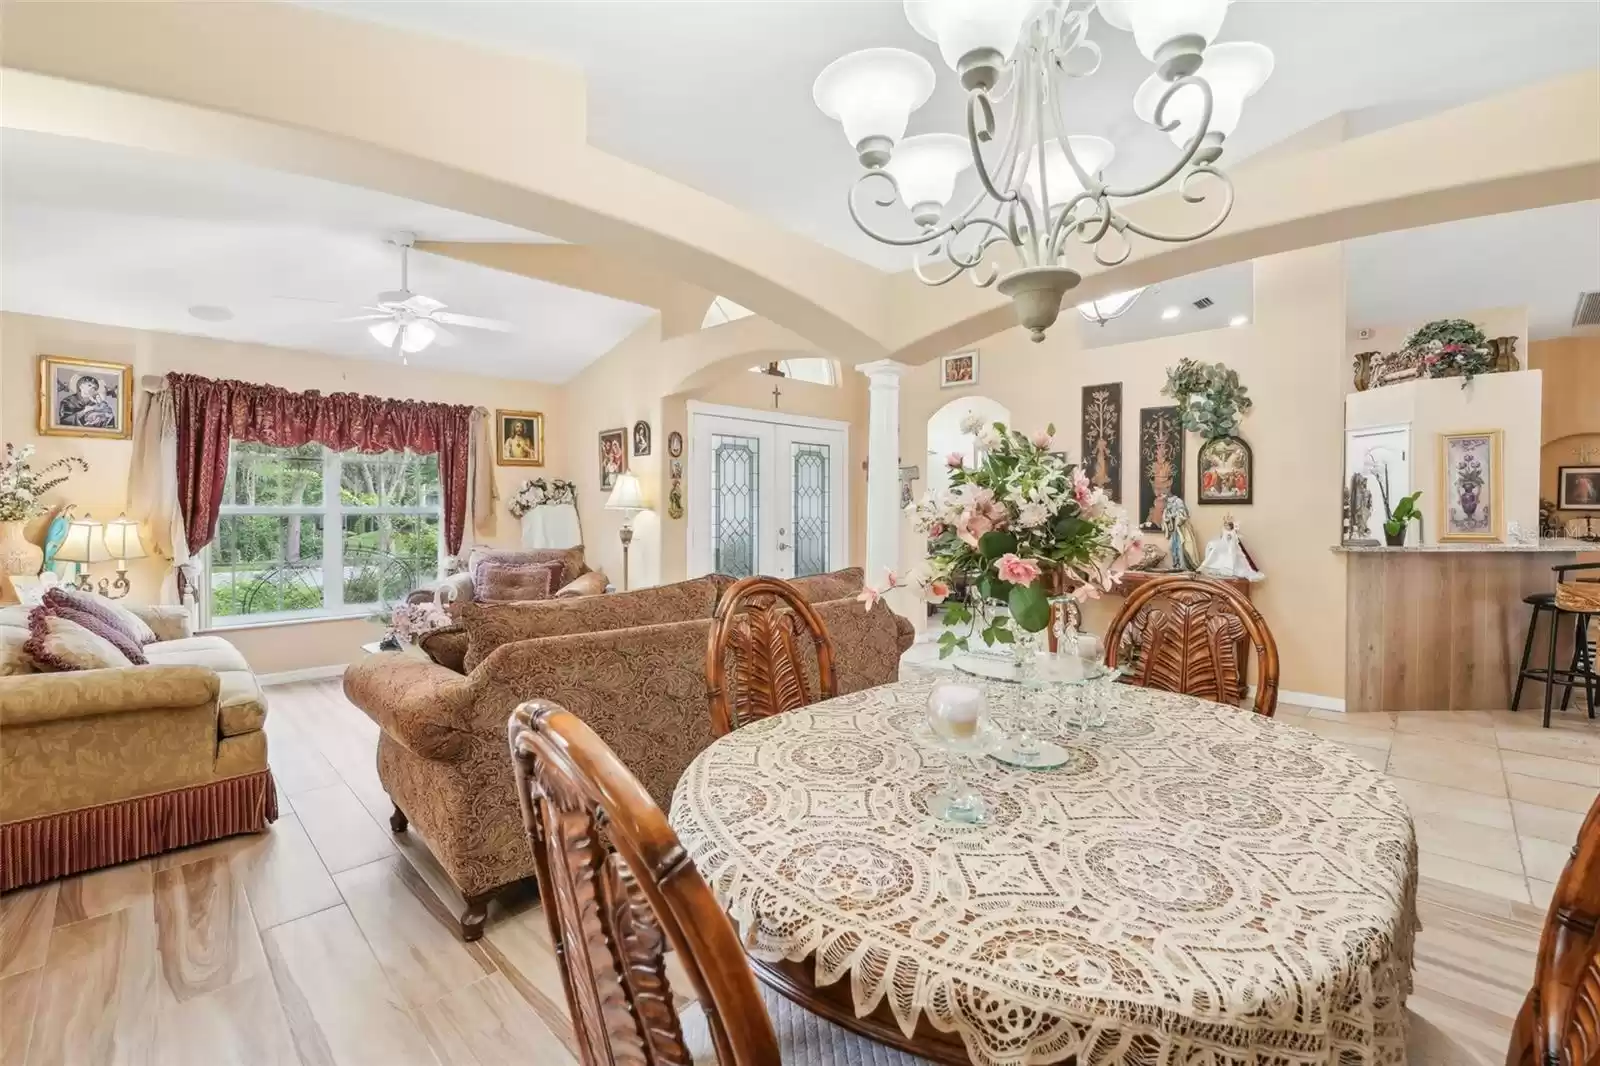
(1197, 884)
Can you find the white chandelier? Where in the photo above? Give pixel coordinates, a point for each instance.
(1041, 188)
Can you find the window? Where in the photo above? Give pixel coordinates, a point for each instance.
(722, 311)
(815, 369)
(306, 532)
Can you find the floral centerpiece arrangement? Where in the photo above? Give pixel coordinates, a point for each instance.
(1452, 347)
(22, 487)
(539, 491)
(1015, 528)
(408, 623)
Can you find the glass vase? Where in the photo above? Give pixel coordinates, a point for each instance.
(1024, 747)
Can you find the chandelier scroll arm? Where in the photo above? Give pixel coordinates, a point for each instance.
(1206, 231)
(900, 242)
(1190, 149)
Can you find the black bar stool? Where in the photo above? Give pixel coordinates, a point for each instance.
(1581, 670)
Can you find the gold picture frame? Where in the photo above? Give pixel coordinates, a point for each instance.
(85, 398)
(514, 444)
(1464, 484)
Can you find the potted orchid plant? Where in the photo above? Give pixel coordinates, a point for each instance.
(1018, 526)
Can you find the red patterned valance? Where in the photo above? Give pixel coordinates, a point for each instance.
(210, 412)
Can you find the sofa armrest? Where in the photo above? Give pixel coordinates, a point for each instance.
(167, 621)
(420, 704)
(32, 699)
(905, 633)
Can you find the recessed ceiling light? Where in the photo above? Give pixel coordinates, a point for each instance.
(1239, 320)
(1170, 313)
(210, 313)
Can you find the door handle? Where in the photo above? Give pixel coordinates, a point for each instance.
(782, 546)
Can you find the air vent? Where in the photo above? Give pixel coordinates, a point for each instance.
(1588, 312)
(1203, 303)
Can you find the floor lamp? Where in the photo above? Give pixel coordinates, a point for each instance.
(628, 497)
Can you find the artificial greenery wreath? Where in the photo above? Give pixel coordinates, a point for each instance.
(1450, 347)
(1210, 397)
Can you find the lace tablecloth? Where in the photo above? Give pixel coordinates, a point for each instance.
(1198, 884)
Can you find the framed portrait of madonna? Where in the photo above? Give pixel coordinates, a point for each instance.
(85, 398)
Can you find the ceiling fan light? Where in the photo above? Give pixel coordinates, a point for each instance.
(384, 332)
(984, 33)
(1235, 71)
(926, 167)
(1112, 305)
(872, 94)
(1174, 34)
(419, 333)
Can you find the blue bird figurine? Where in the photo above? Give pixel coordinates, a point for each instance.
(55, 536)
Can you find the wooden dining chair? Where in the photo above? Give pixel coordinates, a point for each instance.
(754, 665)
(613, 913)
(1559, 1024)
(1185, 633)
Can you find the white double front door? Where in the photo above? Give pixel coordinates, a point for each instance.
(768, 492)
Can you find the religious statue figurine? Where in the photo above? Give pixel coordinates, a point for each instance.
(1226, 556)
(1360, 496)
(1183, 549)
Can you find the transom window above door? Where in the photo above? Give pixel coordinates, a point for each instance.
(306, 532)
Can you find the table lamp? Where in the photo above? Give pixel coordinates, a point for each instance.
(627, 496)
(122, 543)
(85, 544)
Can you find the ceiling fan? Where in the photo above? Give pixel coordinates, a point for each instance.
(406, 322)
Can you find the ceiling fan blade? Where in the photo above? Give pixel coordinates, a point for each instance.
(473, 322)
(365, 318)
(312, 300)
(444, 338)
(423, 305)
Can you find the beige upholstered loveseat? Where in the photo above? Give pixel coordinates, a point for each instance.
(105, 766)
(630, 664)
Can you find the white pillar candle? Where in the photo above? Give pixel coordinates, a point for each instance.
(954, 710)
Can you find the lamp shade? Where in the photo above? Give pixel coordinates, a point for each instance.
(1235, 71)
(419, 333)
(1093, 153)
(1108, 307)
(960, 27)
(873, 92)
(121, 537)
(626, 494)
(1157, 23)
(85, 542)
(926, 167)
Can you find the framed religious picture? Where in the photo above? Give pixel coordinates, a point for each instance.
(613, 456)
(85, 398)
(641, 437)
(958, 370)
(519, 436)
(1578, 488)
(1160, 463)
(1470, 481)
(675, 444)
(1102, 437)
(1225, 471)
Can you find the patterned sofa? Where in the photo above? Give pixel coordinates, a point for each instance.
(631, 665)
(106, 766)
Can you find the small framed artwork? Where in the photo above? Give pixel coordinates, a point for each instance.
(908, 474)
(641, 437)
(613, 456)
(1226, 471)
(675, 444)
(958, 369)
(1470, 482)
(519, 436)
(85, 398)
(1578, 488)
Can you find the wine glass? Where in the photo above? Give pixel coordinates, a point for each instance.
(958, 724)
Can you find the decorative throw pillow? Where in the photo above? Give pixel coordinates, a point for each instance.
(13, 660)
(56, 643)
(591, 584)
(495, 581)
(113, 613)
(571, 560)
(74, 608)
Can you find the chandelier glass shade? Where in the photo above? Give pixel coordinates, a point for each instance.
(1042, 191)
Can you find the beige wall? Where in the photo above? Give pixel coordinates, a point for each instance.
(1507, 402)
(103, 491)
(1571, 367)
(1292, 359)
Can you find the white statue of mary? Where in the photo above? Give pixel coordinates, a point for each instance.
(1226, 557)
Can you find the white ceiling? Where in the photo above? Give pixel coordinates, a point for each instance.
(717, 94)
(119, 236)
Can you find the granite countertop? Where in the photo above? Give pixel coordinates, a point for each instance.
(1546, 544)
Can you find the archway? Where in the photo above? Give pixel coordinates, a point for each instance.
(945, 436)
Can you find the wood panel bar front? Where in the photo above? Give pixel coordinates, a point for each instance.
(1442, 630)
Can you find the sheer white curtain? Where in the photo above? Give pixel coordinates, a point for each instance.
(153, 486)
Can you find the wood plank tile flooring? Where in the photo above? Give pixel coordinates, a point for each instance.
(325, 941)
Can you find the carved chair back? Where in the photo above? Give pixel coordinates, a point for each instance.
(612, 913)
(754, 664)
(1185, 633)
(1560, 1020)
